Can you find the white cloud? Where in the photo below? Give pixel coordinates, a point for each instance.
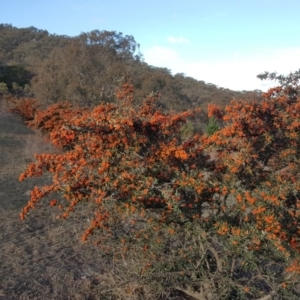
(178, 40)
(161, 56)
(237, 72)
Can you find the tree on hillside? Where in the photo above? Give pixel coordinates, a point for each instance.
(87, 70)
(291, 80)
(14, 73)
(26, 46)
(125, 47)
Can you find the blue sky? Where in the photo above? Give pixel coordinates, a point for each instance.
(224, 42)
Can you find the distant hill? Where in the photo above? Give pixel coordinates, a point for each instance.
(86, 70)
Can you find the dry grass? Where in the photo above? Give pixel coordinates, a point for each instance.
(41, 257)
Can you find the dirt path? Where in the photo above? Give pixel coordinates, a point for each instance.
(41, 257)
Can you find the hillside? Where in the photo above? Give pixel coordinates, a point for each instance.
(86, 70)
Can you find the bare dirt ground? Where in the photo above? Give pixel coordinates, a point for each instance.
(41, 257)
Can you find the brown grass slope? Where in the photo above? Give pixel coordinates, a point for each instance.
(41, 257)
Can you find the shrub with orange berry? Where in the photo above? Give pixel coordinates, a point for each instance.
(226, 227)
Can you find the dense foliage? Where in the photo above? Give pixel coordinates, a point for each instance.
(212, 126)
(215, 216)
